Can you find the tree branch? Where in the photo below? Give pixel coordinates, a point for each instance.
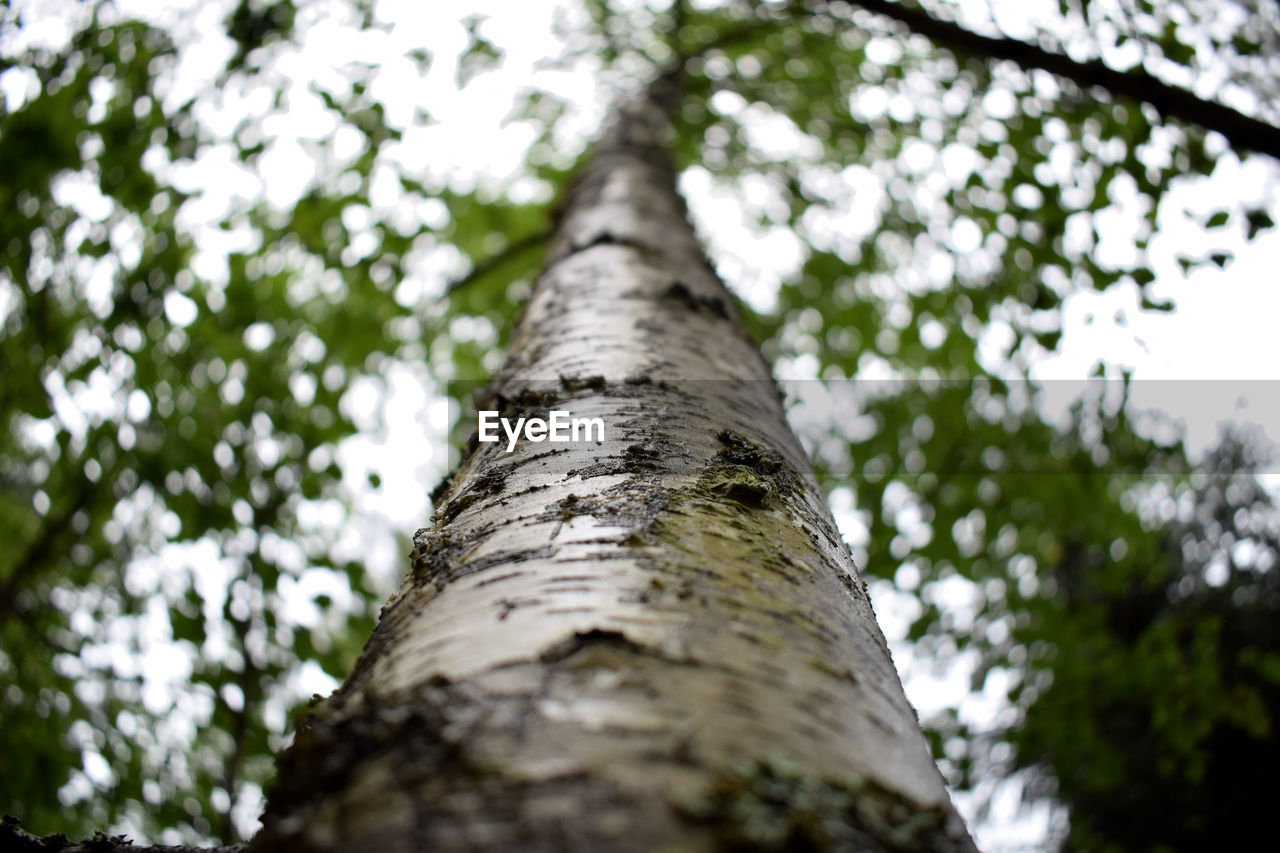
(239, 728)
(491, 263)
(41, 551)
(1242, 131)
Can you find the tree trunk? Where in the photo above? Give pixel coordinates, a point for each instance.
(655, 642)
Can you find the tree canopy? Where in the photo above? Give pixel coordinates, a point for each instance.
(245, 247)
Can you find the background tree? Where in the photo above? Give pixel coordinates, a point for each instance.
(924, 212)
(1164, 682)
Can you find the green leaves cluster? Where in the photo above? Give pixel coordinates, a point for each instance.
(144, 408)
(1166, 675)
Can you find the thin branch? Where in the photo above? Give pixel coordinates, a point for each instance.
(1242, 131)
(239, 727)
(491, 263)
(40, 552)
(745, 31)
(265, 520)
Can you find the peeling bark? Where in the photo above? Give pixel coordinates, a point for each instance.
(658, 642)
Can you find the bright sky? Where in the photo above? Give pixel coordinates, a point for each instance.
(1221, 333)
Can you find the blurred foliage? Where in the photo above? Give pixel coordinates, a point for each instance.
(1159, 725)
(172, 430)
(177, 390)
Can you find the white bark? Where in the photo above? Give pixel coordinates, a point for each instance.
(657, 642)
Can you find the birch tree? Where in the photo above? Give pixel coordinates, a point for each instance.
(658, 640)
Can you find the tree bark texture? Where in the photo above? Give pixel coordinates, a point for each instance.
(659, 642)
